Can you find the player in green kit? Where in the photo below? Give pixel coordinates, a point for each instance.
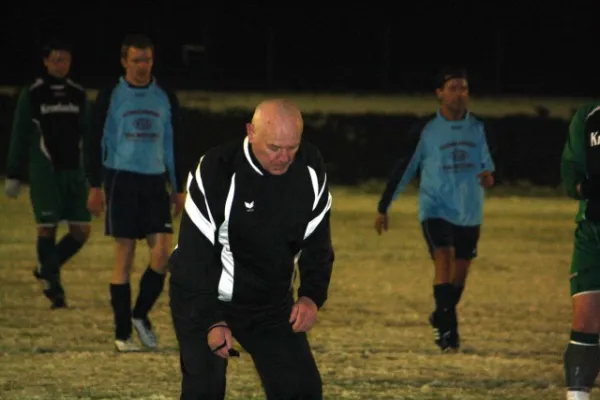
(49, 128)
(580, 169)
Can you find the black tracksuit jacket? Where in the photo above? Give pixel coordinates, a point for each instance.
(242, 232)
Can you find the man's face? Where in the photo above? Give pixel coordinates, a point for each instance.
(454, 95)
(275, 145)
(138, 65)
(58, 63)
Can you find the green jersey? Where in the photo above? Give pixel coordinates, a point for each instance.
(50, 126)
(576, 163)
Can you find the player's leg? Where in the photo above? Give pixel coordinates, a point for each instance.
(203, 374)
(155, 215)
(466, 239)
(582, 355)
(151, 287)
(45, 203)
(74, 195)
(48, 270)
(438, 234)
(284, 362)
(73, 240)
(121, 224)
(120, 293)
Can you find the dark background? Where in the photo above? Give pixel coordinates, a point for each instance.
(509, 48)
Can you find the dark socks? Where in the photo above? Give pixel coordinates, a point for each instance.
(120, 299)
(444, 295)
(47, 256)
(151, 286)
(458, 291)
(582, 361)
(67, 248)
(447, 296)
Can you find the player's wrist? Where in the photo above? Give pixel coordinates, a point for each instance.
(382, 209)
(317, 299)
(220, 324)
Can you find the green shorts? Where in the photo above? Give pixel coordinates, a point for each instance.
(585, 263)
(59, 196)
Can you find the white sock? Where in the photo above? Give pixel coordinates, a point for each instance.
(578, 395)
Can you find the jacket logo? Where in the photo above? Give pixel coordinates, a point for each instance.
(249, 206)
(59, 108)
(594, 139)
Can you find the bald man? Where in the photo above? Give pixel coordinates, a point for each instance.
(254, 209)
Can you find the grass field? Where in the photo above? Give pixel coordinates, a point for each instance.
(372, 340)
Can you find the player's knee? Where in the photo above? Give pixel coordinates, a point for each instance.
(444, 255)
(586, 313)
(588, 325)
(461, 270)
(159, 258)
(125, 251)
(160, 245)
(586, 320)
(81, 232)
(46, 231)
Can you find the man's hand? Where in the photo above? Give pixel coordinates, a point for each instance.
(304, 314)
(381, 223)
(219, 339)
(95, 201)
(12, 188)
(486, 179)
(178, 201)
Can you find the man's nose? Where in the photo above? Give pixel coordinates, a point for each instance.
(284, 156)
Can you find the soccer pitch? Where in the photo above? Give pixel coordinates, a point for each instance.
(372, 340)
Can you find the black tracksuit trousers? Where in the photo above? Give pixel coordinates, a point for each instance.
(283, 359)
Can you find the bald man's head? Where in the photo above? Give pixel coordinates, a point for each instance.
(275, 133)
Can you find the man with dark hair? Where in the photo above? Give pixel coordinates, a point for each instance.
(580, 170)
(137, 41)
(451, 156)
(255, 208)
(136, 136)
(49, 126)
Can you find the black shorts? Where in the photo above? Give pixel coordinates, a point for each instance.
(137, 205)
(441, 233)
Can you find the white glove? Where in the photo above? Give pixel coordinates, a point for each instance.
(12, 187)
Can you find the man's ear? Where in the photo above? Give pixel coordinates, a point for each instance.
(250, 132)
(438, 93)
